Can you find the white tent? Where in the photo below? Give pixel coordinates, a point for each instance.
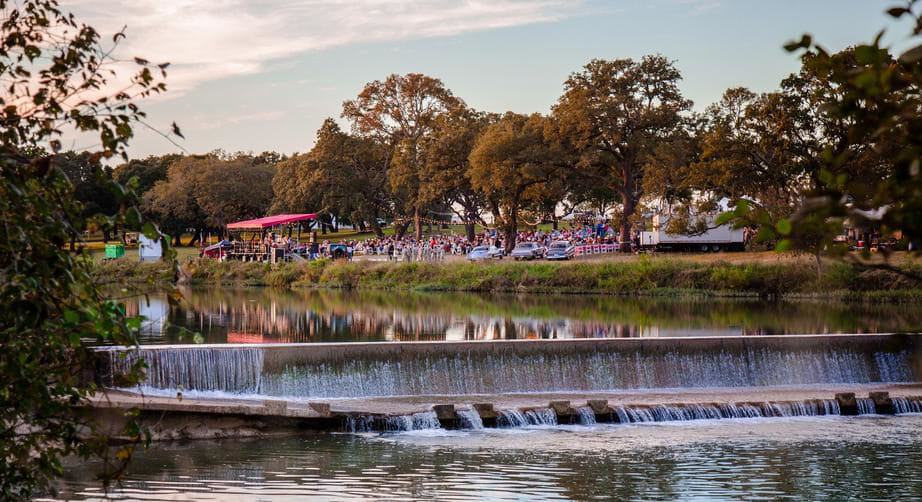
(149, 249)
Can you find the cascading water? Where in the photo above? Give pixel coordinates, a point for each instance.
(736, 410)
(866, 406)
(246, 370)
(831, 407)
(544, 416)
(395, 423)
(237, 370)
(792, 409)
(469, 419)
(360, 423)
(902, 405)
(586, 415)
(511, 418)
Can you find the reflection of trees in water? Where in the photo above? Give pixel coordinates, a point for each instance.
(267, 315)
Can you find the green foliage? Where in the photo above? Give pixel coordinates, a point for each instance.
(615, 115)
(205, 192)
(511, 164)
(57, 75)
(641, 277)
(841, 140)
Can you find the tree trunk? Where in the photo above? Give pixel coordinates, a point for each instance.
(400, 230)
(417, 225)
(511, 228)
(469, 230)
(176, 240)
(629, 205)
(376, 228)
(105, 236)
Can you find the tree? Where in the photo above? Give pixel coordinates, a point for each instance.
(343, 174)
(877, 103)
(233, 190)
(400, 112)
(148, 171)
(511, 163)
(205, 192)
(56, 76)
(614, 113)
(91, 188)
(772, 150)
(172, 202)
(446, 161)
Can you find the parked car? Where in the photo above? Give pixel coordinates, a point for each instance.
(527, 251)
(485, 253)
(560, 250)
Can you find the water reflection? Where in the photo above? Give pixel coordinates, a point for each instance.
(262, 315)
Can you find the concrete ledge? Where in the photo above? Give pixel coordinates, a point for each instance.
(171, 418)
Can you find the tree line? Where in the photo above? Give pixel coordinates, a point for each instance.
(621, 139)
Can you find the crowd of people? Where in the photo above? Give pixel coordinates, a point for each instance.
(436, 247)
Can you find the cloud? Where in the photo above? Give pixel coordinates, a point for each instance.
(206, 40)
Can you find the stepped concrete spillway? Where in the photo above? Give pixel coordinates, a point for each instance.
(256, 389)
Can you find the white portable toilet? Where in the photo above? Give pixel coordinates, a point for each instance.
(149, 249)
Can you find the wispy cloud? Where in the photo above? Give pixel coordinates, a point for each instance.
(206, 40)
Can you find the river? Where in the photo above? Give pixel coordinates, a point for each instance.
(804, 458)
(264, 315)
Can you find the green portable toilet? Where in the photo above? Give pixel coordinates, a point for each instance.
(114, 251)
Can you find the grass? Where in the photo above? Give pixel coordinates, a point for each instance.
(641, 276)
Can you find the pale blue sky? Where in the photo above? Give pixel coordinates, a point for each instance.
(263, 75)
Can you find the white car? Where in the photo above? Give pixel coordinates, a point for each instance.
(485, 253)
(527, 251)
(560, 250)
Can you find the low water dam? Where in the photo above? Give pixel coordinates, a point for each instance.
(360, 370)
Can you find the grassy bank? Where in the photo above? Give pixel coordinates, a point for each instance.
(131, 272)
(643, 276)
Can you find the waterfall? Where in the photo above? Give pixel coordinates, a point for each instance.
(395, 423)
(360, 423)
(543, 416)
(236, 370)
(831, 407)
(735, 410)
(792, 409)
(586, 415)
(511, 418)
(469, 419)
(903, 405)
(703, 412)
(375, 373)
(866, 406)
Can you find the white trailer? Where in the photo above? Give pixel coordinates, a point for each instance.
(718, 238)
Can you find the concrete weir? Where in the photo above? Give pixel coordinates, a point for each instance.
(240, 390)
(363, 370)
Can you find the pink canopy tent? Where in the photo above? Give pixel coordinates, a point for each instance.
(271, 221)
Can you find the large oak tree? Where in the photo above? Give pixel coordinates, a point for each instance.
(615, 113)
(401, 112)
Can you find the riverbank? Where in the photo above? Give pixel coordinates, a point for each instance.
(638, 276)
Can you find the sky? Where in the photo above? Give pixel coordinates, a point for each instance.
(255, 75)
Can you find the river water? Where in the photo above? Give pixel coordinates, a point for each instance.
(263, 315)
(805, 458)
